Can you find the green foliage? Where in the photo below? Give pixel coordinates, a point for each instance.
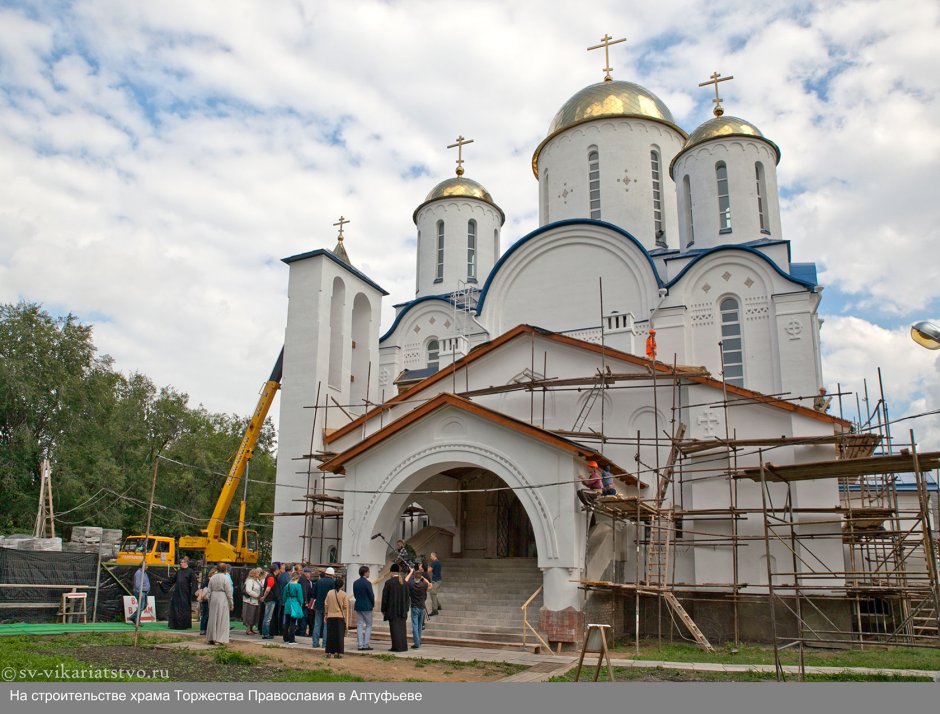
(102, 430)
(661, 674)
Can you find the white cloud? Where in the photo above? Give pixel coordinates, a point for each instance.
(158, 159)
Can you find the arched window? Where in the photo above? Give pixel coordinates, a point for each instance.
(761, 197)
(434, 354)
(732, 347)
(724, 199)
(496, 244)
(440, 252)
(472, 250)
(659, 228)
(594, 181)
(687, 204)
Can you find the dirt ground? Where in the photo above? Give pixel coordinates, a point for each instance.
(187, 661)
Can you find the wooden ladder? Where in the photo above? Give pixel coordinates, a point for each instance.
(657, 549)
(666, 477)
(687, 621)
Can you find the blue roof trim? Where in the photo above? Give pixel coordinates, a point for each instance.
(410, 374)
(759, 243)
(329, 254)
(551, 226)
(804, 271)
(743, 249)
(416, 301)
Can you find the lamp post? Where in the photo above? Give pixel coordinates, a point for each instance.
(926, 334)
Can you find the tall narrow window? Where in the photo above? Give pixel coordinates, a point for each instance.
(594, 181)
(687, 203)
(496, 244)
(724, 200)
(472, 250)
(434, 354)
(440, 252)
(732, 348)
(761, 197)
(659, 228)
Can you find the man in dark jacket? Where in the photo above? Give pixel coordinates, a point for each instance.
(323, 586)
(308, 586)
(365, 604)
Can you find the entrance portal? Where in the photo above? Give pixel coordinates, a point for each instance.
(494, 523)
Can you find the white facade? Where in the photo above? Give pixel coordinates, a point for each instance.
(596, 271)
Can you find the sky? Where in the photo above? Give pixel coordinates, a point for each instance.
(157, 160)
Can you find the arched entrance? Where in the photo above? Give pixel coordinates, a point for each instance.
(494, 523)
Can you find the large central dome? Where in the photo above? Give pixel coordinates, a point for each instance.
(610, 99)
(603, 100)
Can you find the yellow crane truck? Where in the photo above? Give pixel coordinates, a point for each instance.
(240, 545)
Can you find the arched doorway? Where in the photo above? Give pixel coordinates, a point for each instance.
(493, 521)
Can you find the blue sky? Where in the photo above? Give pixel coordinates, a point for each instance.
(158, 159)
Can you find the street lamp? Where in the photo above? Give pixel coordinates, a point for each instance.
(926, 334)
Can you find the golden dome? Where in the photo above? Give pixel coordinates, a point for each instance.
(607, 99)
(459, 187)
(723, 127)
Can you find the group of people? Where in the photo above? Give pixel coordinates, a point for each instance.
(287, 600)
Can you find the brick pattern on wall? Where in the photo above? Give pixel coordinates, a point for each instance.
(561, 625)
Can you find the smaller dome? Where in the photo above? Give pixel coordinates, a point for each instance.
(724, 127)
(459, 187)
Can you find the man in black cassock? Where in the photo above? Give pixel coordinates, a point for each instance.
(396, 606)
(183, 590)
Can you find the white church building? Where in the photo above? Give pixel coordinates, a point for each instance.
(509, 370)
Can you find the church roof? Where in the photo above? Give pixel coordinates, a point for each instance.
(487, 348)
(335, 464)
(329, 254)
(606, 100)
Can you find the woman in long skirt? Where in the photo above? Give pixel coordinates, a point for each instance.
(336, 615)
(396, 606)
(183, 588)
(250, 601)
(221, 603)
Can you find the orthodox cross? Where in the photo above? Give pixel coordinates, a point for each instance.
(461, 142)
(606, 42)
(714, 79)
(342, 221)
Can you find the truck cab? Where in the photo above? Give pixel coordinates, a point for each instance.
(162, 550)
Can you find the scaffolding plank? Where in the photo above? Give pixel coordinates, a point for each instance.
(841, 468)
(855, 445)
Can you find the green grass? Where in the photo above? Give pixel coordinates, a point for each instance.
(226, 656)
(877, 657)
(35, 659)
(661, 674)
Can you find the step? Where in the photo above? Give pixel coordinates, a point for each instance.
(458, 642)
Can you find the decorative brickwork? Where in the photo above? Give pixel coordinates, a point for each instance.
(561, 625)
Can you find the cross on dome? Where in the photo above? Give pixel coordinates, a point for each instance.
(461, 142)
(715, 79)
(606, 42)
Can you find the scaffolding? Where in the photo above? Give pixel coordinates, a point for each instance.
(884, 592)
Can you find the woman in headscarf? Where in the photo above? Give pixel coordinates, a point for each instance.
(336, 615)
(182, 588)
(396, 606)
(221, 603)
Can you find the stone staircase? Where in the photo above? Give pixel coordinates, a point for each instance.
(480, 604)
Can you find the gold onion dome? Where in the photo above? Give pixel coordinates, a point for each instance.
(458, 187)
(725, 127)
(605, 100)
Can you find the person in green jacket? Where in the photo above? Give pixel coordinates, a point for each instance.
(293, 598)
